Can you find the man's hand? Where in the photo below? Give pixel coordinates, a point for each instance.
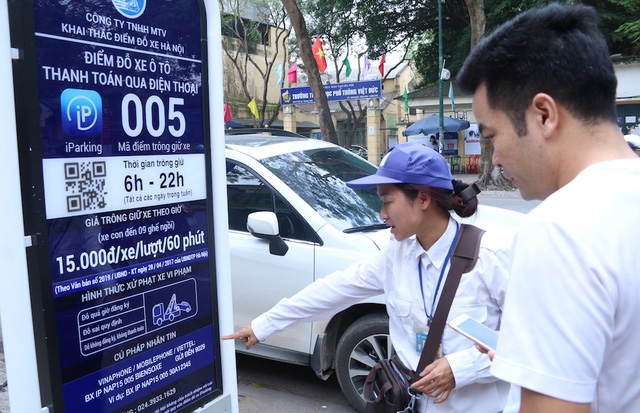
(490, 353)
(246, 335)
(437, 380)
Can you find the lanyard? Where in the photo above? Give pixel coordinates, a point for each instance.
(444, 265)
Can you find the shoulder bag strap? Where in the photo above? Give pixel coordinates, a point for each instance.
(463, 259)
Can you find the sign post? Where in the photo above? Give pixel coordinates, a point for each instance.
(125, 245)
(335, 92)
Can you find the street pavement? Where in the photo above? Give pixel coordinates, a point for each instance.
(511, 200)
(267, 386)
(4, 388)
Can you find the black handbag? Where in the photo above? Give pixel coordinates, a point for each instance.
(387, 388)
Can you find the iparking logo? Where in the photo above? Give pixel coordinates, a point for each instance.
(81, 112)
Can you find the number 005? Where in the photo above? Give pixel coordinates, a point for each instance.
(153, 108)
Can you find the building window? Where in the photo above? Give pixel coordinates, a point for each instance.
(243, 29)
(264, 35)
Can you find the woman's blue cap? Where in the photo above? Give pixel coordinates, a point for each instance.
(409, 163)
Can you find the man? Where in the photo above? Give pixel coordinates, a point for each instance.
(544, 94)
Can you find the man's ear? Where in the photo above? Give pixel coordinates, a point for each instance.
(545, 113)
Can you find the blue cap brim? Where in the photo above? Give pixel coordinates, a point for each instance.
(372, 181)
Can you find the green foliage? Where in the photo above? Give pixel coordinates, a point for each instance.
(385, 25)
(631, 29)
(613, 15)
(622, 36)
(389, 24)
(456, 39)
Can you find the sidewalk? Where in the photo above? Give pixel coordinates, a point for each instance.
(471, 178)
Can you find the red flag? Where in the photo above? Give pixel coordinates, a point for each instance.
(227, 112)
(381, 65)
(318, 53)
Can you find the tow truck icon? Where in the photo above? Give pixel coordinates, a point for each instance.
(173, 310)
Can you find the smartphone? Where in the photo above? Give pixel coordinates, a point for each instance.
(475, 330)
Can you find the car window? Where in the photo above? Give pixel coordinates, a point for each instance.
(247, 193)
(318, 176)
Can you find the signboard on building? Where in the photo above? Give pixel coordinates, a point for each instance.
(127, 262)
(334, 91)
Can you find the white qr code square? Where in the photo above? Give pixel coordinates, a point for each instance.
(85, 185)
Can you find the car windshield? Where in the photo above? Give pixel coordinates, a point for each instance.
(318, 176)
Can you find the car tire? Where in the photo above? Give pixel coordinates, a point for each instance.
(362, 345)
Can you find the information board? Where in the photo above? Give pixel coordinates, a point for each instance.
(123, 129)
(450, 146)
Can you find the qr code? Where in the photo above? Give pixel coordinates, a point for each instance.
(85, 185)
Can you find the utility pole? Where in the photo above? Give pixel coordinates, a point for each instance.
(440, 81)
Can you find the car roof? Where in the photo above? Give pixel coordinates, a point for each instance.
(259, 145)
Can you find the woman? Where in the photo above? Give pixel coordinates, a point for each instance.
(417, 192)
(433, 143)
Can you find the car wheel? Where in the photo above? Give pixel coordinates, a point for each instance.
(361, 346)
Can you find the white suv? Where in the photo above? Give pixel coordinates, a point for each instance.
(305, 223)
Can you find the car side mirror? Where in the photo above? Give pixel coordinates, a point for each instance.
(264, 224)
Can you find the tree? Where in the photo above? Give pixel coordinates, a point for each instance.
(251, 49)
(613, 15)
(341, 26)
(327, 128)
(631, 29)
(478, 20)
(623, 33)
(334, 21)
(459, 36)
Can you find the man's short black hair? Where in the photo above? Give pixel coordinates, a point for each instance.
(557, 49)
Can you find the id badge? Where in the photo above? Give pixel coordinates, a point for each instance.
(421, 332)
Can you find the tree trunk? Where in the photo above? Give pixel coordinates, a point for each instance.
(489, 177)
(486, 152)
(477, 20)
(327, 128)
